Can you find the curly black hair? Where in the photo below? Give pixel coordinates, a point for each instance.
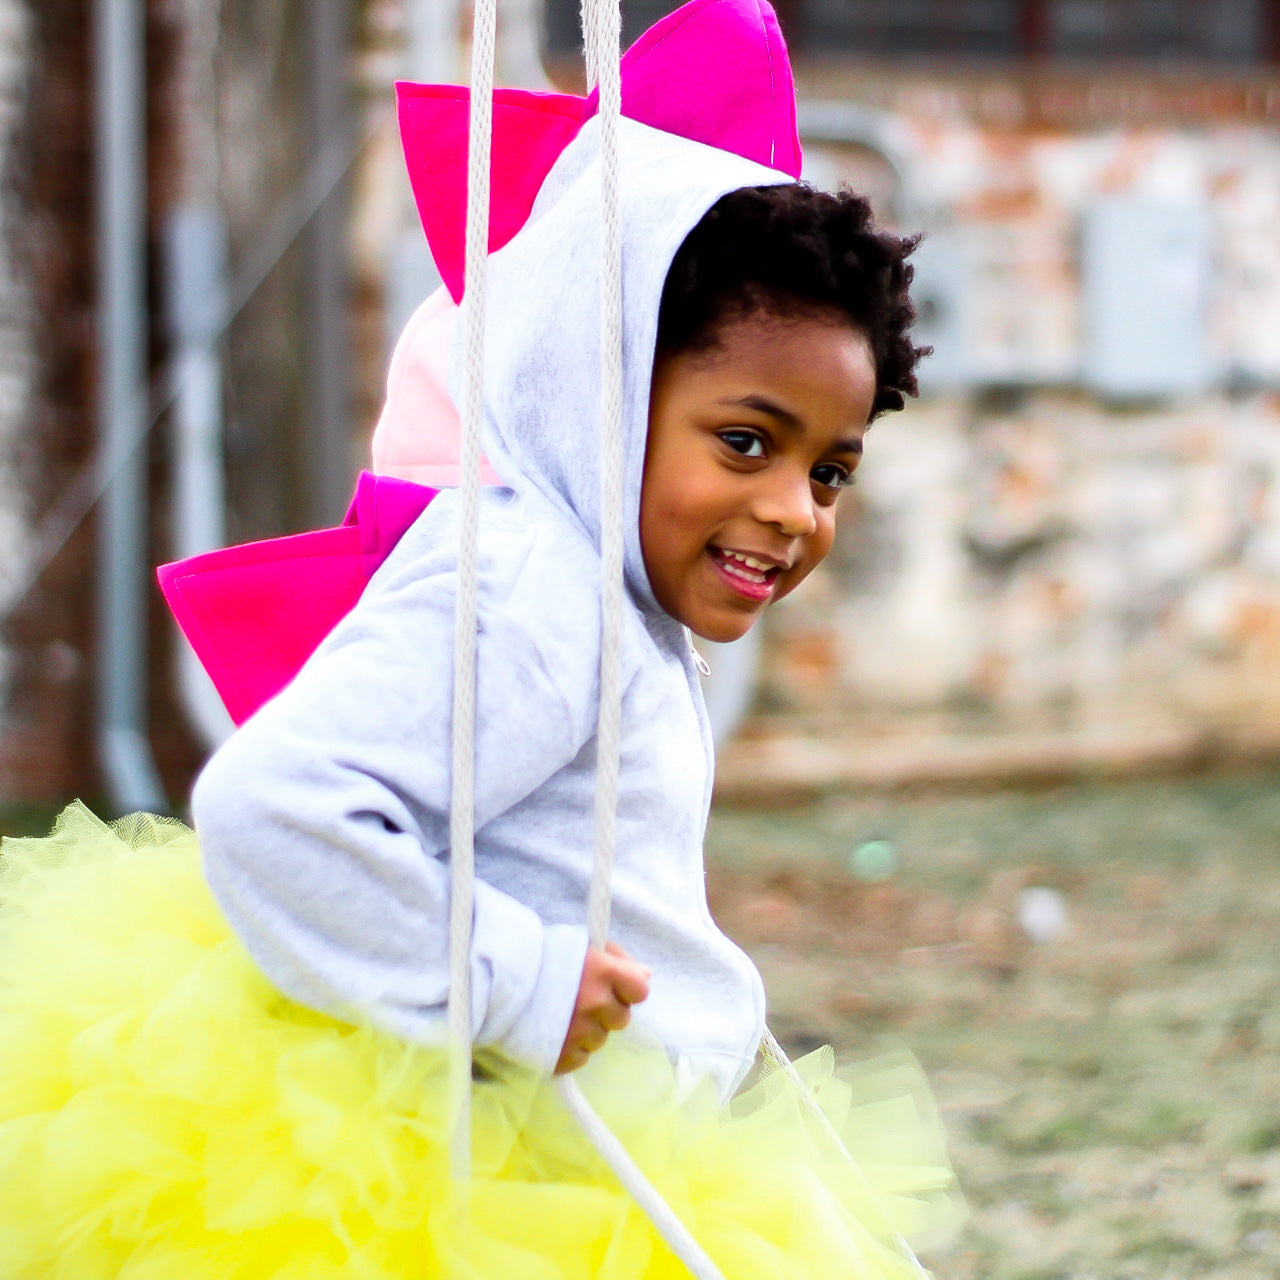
(792, 250)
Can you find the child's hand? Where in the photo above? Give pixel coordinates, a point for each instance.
(611, 983)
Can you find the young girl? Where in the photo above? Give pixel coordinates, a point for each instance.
(164, 1111)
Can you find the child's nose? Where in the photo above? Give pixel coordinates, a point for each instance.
(787, 504)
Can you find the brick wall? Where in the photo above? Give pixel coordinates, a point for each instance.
(16, 337)
(45, 252)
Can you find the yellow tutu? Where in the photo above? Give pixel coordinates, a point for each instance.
(166, 1114)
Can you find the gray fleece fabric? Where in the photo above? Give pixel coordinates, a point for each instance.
(324, 820)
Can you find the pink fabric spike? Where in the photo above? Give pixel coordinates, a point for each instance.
(255, 613)
(716, 71)
(418, 436)
(530, 130)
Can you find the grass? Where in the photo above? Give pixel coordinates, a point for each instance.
(1111, 1095)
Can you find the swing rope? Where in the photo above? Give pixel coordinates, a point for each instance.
(601, 22)
(462, 798)
(602, 38)
(602, 28)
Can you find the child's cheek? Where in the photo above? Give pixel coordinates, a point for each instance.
(823, 537)
(815, 552)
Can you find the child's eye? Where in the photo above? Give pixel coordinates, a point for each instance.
(748, 443)
(832, 476)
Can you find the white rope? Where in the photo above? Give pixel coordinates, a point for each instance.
(678, 1237)
(603, 36)
(602, 32)
(462, 798)
(776, 1055)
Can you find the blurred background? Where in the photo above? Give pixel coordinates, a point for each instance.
(1000, 782)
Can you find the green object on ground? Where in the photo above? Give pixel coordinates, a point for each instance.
(874, 859)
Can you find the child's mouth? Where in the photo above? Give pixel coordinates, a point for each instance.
(747, 575)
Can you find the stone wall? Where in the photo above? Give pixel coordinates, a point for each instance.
(1026, 557)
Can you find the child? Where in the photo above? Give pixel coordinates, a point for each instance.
(233, 1132)
(315, 818)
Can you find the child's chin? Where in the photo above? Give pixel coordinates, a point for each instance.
(724, 630)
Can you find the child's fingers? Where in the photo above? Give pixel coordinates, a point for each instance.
(571, 1059)
(629, 977)
(611, 983)
(615, 1015)
(592, 1034)
(587, 1033)
(614, 950)
(630, 982)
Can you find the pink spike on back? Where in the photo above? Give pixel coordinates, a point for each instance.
(255, 613)
(716, 71)
(530, 130)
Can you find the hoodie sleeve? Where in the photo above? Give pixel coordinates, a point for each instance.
(324, 821)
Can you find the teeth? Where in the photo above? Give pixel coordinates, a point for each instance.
(748, 568)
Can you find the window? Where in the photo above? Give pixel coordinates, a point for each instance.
(964, 28)
(1222, 32)
(1226, 33)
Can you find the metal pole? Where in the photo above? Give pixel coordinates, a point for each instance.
(326, 452)
(122, 579)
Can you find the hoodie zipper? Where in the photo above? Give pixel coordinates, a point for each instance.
(704, 668)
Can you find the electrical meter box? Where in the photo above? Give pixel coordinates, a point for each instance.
(1145, 276)
(941, 294)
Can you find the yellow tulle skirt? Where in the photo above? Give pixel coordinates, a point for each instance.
(165, 1114)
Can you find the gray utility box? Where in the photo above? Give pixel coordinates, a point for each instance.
(1145, 277)
(941, 293)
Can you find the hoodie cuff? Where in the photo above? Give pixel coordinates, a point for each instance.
(537, 1035)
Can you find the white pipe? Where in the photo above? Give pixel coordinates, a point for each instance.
(831, 121)
(122, 579)
(195, 303)
(432, 57)
(520, 45)
(434, 41)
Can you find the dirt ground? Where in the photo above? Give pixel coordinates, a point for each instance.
(1110, 1087)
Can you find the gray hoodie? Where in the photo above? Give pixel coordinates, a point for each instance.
(324, 820)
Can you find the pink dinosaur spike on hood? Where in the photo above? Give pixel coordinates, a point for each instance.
(744, 99)
(714, 71)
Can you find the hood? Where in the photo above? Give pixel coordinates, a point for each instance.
(542, 339)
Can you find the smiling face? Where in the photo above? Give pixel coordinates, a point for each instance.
(749, 445)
